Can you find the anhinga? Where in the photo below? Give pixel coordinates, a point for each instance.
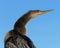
(17, 38)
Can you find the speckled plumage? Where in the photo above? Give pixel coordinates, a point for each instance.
(17, 38)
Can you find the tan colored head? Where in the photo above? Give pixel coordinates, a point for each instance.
(34, 13)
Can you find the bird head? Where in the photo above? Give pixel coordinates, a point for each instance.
(34, 13)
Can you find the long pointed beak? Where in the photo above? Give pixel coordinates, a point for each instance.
(46, 11)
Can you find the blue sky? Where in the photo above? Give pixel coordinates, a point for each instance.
(43, 30)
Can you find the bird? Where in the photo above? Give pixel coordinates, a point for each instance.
(17, 38)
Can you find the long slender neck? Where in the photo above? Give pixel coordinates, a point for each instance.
(21, 22)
